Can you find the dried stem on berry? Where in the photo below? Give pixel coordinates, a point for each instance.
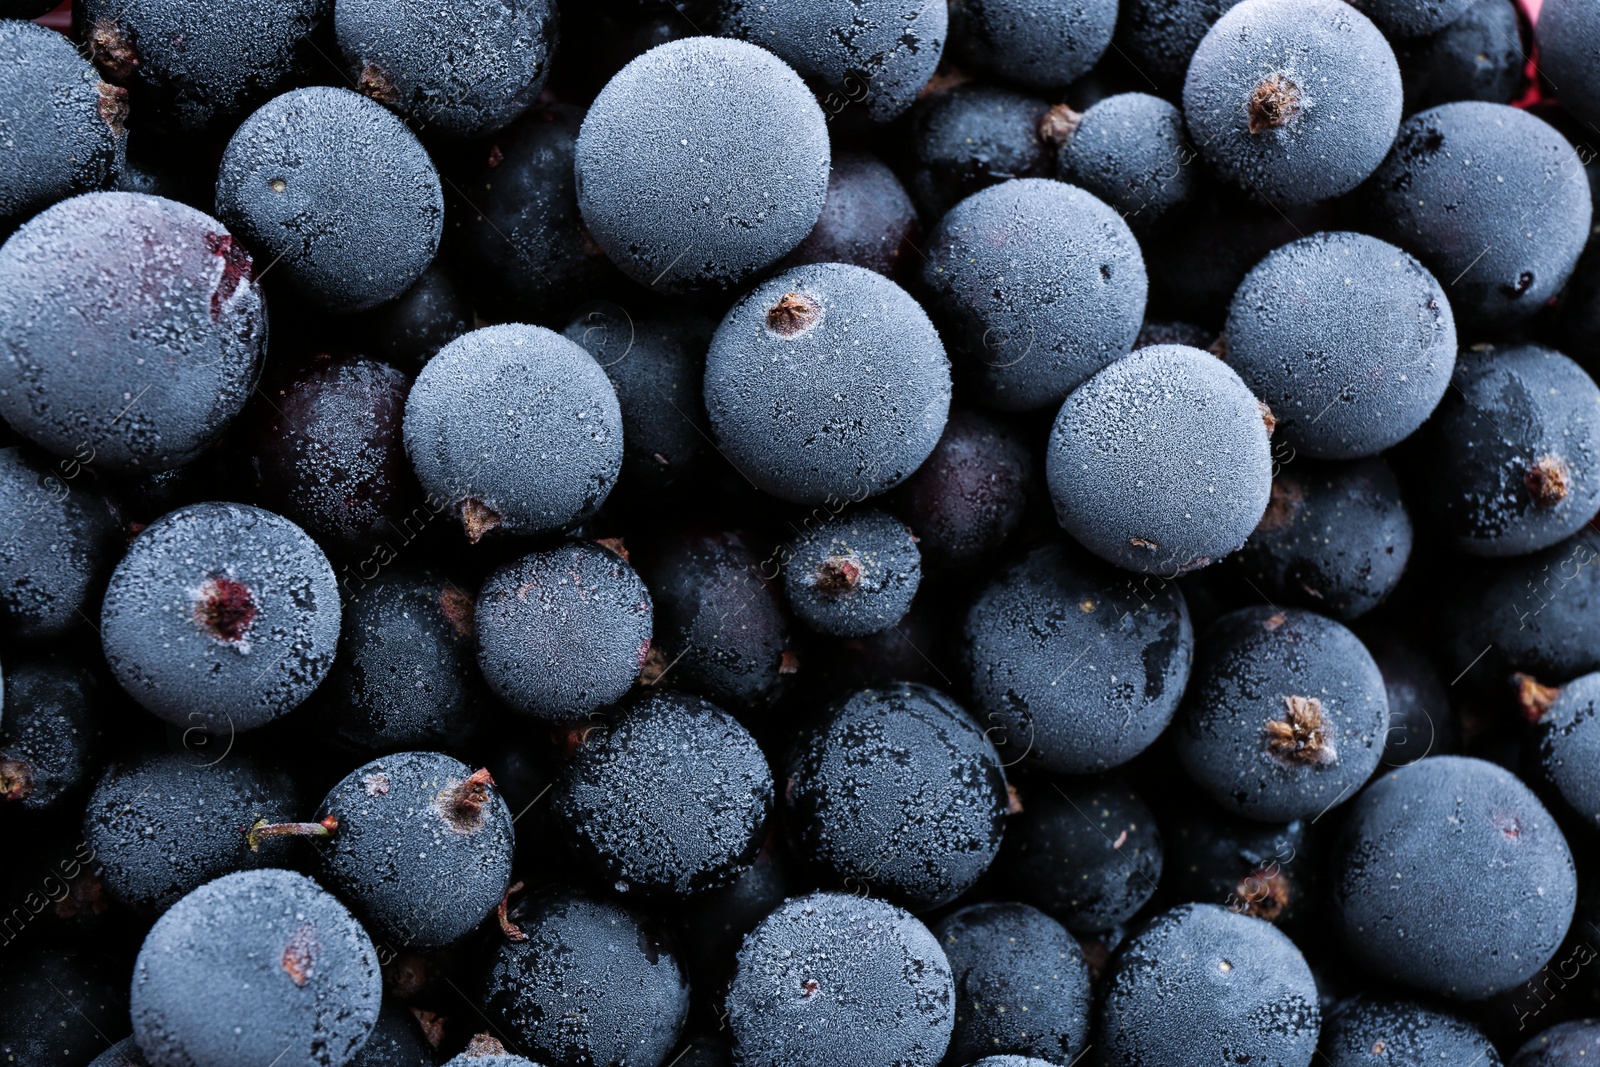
(16, 779)
(1300, 737)
(792, 314)
(1549, 481)
(1532, 697)
(838, 574)
(263, 830)
(1275, 103)
(1057, 125)
(512, 931)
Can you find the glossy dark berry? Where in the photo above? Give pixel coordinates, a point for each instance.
(396, 1041)
(514, 428)
(1160, 463)
(702, 162)
(1568, 1044)
(721, 620)
(1295, 100)
(837, 980)
(1481, 55)
(420, 846)
(1160, 36)
(62, 125)
(897, 792)
(199, 67)
(710, 925)
(131, 332)
(1451, 877)
(408, 330)
(1513, 457)
(1202, 984)
(1038, 285)
(1347, 339)
(672, 798)
(970, 136)
(405, 674)
(1045, 44)
(462, 70)
(656, 364)
(50, 726)
(1569, 744)
(853, 574)
(337, 192)
(162, 826)
(56, 1008)
(970, 494)
(56, 544)
(827, 383)
(868, 220)
(563, 631)
(1421, 722)
(330, 456)
(588, 982)
(1569, 45)
(1075, 666)
(1021, 983)
(1465, 186)
(251, 966)
(221, 617)
(1335, 538)
(876, 68)
(1130, 151)
(1286, 716)
(1403, 1032)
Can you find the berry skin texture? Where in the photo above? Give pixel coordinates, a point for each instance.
(49, 730)
(1482, 55)
(1130, 151)
(56, 544)
(1297, 100)
(1033, 685)
(1451, 877)
(1406, 1032)
(62, 125)
(398, 1042)
(827, 383)
(410, 329)
(563, 631)
(1021, 983)
(1159, 36)
(1160, 463)
(1347, 339)
(253, 966)
(874, 68)
(1569, 55)
(1044, 44)
(338, 192)
(162, 826)
(590, 984)
(422, 848)
(330, 456)
(1400, 19)
(1204, 985)
(1569, 746)
(671, 800)
(1089, 854)
(460, 69)
(1037, 285)
(854, 574)
(198, 68)
(836, 980)
(1514, 452)
(971, 136)
(1336, 538)
(221, 617)
(867, 220)
(1569, 1044)
(405, 676)
(970, 494)
(897, 792)
(1286, 715)
(701, 163)
(1465, 185)
(124, 1053)
(131, 332)
(516, 429)
(1420, 720)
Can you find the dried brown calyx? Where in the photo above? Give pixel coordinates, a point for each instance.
(1549, 480)
(478, 518)
(456, 607)
(614, 544)
(375, 82)
(300, 954)
(16, 779)
(1268, 419)
(1282, 506)
(1300, 737)
(463, 803)
(225, 609)
(431, 1023)
(1057, 125)
(1275, 103)
(838, 574)
(792, 315)
(1219, 347)
(512, 931)
(113, 107)
(1533, 697)
(1263, 893)
(789, 662)
(264, 830)
(406, 975)
(484, 1045)
(111, 48)
(654, 666)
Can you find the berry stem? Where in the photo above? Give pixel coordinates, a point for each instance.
(264, 830)
(468, 798)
